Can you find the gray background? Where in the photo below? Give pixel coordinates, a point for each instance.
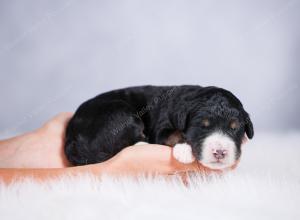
(56, 54)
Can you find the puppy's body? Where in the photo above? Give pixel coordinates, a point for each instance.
(168, 115)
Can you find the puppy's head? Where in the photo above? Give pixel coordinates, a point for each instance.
(217, 127)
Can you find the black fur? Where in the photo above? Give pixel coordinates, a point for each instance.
(104, 125)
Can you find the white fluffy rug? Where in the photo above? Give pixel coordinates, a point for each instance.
(266, 185)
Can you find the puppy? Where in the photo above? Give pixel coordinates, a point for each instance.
(207, 124)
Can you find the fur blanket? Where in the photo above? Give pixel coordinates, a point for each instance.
(266, 185)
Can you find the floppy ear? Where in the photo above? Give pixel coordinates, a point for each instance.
(249, 127)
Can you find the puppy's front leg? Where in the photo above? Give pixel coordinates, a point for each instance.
(183, 153)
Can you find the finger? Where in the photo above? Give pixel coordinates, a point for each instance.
(159, 156)
(181, 167)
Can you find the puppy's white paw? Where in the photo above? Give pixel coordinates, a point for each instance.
(183, 153)
(141, 143)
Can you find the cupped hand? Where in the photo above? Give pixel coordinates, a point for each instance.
(150, 159)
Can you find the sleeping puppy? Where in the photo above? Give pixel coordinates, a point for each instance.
(207, 124)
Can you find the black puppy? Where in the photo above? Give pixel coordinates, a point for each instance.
(206, 123)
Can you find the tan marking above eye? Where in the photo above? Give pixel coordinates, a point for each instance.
(234, 124)
(205, 122)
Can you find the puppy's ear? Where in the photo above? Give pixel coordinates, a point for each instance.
(249, 127)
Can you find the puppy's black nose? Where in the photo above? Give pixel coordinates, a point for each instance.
(219, 154)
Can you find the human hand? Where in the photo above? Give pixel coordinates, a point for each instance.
(42, 148)
(150, 159)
